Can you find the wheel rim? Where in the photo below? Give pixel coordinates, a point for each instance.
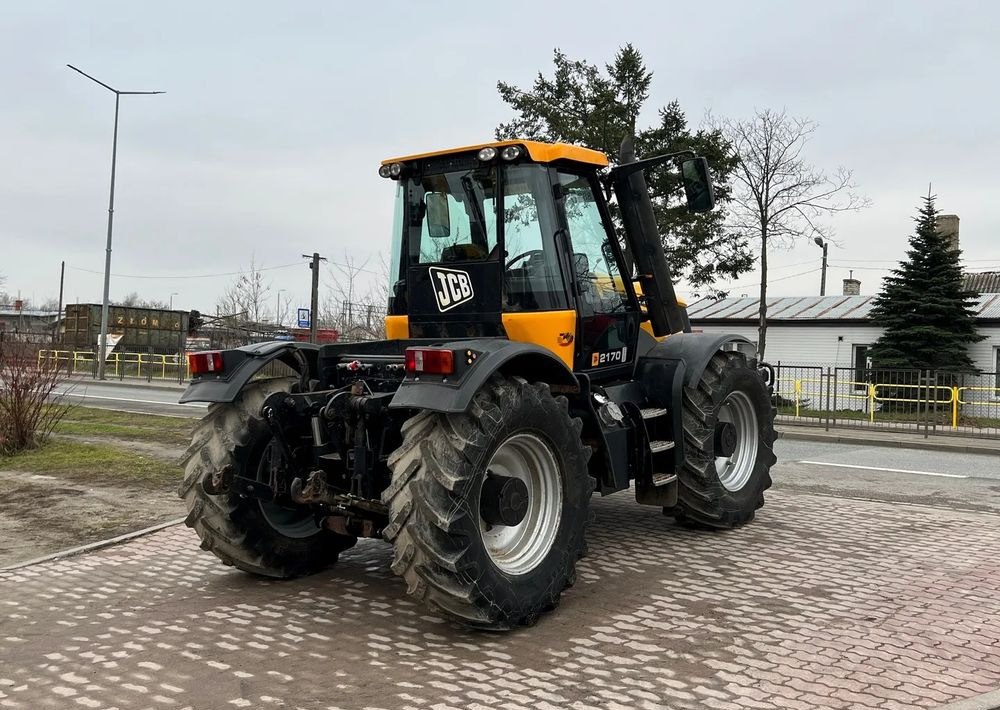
(735, 470)
(290, 522)
(518, 549)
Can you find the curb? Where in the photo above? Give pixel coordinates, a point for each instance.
(140, 383)
(889, 443)
(986, 701)
(90, 547)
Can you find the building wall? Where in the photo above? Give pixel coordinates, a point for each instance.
(792, 346)
(825, 345)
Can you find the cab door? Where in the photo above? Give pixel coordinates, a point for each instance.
(607, 312)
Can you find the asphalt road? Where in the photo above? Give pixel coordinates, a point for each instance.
(127, 397)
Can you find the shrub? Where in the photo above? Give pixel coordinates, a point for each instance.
(29, 404)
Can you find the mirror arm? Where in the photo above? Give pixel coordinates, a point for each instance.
(623, 171)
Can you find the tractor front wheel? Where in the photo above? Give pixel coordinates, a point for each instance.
(488, 508)
(728, 445)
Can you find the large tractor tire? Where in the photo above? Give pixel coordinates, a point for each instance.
(263, 538)
(488, 508)
(728, 445)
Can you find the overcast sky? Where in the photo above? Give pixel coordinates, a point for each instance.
(277, 114)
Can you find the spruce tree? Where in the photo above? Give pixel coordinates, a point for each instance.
(928, 319)
(589, 105)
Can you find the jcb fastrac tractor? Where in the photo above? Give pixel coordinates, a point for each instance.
(533, 357)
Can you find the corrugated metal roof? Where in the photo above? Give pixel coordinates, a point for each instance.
(984, 282)
(6, 312)
(810, 308)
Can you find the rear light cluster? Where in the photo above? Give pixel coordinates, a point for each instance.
(205, 363)
(430, 361)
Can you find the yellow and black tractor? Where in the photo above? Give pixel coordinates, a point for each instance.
(534, 356)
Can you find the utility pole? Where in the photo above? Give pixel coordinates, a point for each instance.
(103, 341)
(314, 304)
(277, 309)
(62, 280)
(820, 242)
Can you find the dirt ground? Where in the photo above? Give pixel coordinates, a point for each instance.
(101, 475)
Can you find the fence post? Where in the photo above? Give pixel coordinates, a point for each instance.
(871, 402)
(954, 407)
(827, 408)
(836, 384)
(798, 391)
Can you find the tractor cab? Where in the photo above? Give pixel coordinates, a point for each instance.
(513, 239)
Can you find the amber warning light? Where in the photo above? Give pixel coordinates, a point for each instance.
(205, 363)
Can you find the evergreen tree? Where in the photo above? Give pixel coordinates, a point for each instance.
(928, 319)
(582, 104)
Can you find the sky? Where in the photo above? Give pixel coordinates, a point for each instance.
(267, 141)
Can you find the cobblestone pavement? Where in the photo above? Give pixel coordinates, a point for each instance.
(822, 602)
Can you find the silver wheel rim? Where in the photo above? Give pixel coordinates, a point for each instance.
(518, 549)
(290, 522)
(734, 471)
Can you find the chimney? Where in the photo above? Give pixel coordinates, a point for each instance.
(852, 287)
(947, 225)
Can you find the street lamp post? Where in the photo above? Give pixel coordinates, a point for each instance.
(103, 341)
(820, 242)
(175, 293)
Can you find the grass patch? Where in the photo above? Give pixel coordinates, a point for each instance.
(88, 421)
(93, 462)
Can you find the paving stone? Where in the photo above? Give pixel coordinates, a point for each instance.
(821, 602)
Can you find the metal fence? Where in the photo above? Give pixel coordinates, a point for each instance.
(925, 401)
(147, 366)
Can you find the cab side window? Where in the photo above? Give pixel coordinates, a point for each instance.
(532, 279)
(598, 278)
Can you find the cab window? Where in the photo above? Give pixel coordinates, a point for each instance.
(453, 216)
(532, 279)
(598, 278)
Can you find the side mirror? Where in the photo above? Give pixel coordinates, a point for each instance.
(698, 185)
(438, 215)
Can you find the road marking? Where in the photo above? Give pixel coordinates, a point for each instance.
(84, 395)
(879, 468)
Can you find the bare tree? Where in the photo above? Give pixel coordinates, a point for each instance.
(133, 300)
(780, 197)
(247, 300)
(356, 298)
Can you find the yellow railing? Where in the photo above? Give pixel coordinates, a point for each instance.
(149, 365)
(872, 395)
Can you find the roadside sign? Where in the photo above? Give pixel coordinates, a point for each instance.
(304, 320)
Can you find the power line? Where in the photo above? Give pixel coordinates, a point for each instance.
(771, 281)
(218, 275)
(194, 276)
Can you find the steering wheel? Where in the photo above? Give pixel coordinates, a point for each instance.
(530, 252)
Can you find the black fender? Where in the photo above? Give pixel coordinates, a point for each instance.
(678, 362)
(239, 365)
(454, 394)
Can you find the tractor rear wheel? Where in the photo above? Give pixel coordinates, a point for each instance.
(488, 508)
(728, 445)
(261, 537)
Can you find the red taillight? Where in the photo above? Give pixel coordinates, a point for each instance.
(432, 361)
(204, 363)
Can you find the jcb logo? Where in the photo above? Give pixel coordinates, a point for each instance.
(451, 287)
(608, 358)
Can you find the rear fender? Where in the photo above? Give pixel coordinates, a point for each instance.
(454, 394)
(241, 364)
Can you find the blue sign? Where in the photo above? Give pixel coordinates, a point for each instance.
(304, 320)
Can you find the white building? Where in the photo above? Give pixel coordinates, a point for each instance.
(810, 337)
(833, 331)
